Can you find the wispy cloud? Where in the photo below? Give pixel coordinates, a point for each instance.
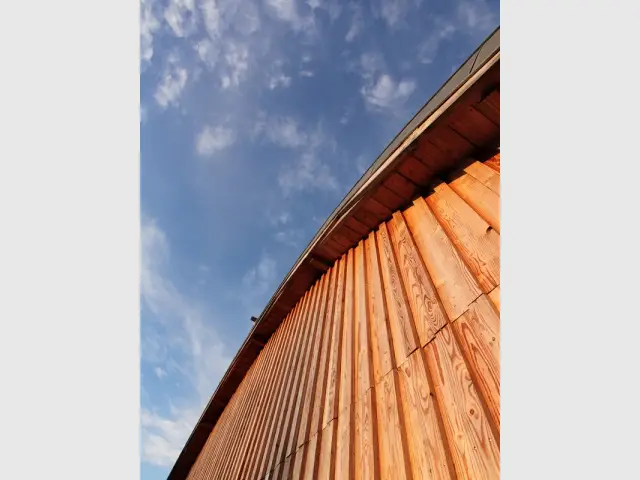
(428, 49)
(387, 93)
(393, 12)
(287, 11)
(174, 79)
(476, 16)
(208, 52)
(357, 23)
(380, 90)
(181, 15)
(237, 61)
(212, 139)
(149, 24)
(306, 174)
(189, 333)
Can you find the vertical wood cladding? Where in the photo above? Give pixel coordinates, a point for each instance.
(389, 365)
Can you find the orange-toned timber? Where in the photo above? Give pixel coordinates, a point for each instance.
(379, 355)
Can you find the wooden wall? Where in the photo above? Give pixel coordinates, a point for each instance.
(389, 366)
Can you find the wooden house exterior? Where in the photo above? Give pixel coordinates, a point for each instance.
(378, 356)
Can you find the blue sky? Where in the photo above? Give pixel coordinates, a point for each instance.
(256, 118)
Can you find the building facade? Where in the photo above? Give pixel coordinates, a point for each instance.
(379, 354)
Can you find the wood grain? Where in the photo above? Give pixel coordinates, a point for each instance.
(494, 295)
(309, 362)
(477, 243)
(394, 454)
(290, 407)
(363, 367)
(486, 175)
(345, 444)
(479, 197)
(427, 313)
(474, 451)
(310, 467)
(382, 358)
(405, 338)
(428, 452)
(315, 423)
(478, 334)
(494, 163)
(347, 361)
(298, 461)
(457, 288)
(333, 375)
(366, 438)
(327, 457)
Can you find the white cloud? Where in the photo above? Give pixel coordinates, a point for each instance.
(211, 17)
(428, 49)
(144, 114)
(247, 20)
(286, 11)
(259, 280)
(307, 173)
(332, 7)
(290, 237)
(207, 51)
(160, 373)
(476, 16)
(370, 63)
(164, 436)
(279, 80)
(214, 139)
(172, 84)
(237, 59)
(149, 24)
(181, 17)
(188, 329)
(306, 73)
(285, 132)
(386, 93)
(357, 24)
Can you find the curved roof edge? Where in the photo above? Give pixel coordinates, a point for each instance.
(322, 250)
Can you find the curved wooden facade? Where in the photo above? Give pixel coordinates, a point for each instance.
(389, 366)
(379, 355)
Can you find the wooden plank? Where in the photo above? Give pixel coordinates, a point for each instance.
(327, 455)
(494, 163)
(252, 397)
(473, 126)
(486, 175)
(285, 412)
(388, 198)
(478, 334)
(479, 197)
(345, 444)
(456, 285)
(494, 295)
(474, 450)
(477, 242)
(363, 367)
(427, 313)
(450, 142)
(347, 363)
(400, 185)
(366, 438)
(394, 454)
(303, 405)
(357, 226)
(418, 172)
(265, 435)
(382, 358)
(490, 106)
(292, 418)
(298, 461)
(268, 357)
(333, 378)
(276, 356)
(315, 424)
(405, 339)
(428, 453)
(310, 467)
